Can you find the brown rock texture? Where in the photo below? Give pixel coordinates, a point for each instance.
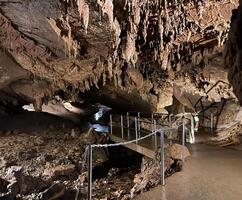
(233, 52)
(150, 169)
(138, 46)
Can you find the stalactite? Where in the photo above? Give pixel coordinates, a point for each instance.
(69, 38)
(85, 16)
(83, 9)
(107, 8)
(146, 34)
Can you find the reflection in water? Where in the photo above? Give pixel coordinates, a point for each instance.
(163, 194)
(100, 128)
(102, 110)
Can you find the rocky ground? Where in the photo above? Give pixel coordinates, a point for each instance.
(50, 165)
(32, 162)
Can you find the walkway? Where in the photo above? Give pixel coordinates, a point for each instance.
(145, 147)
(129, 128)
(211, 173)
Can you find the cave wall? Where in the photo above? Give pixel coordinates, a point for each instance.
(233, 52)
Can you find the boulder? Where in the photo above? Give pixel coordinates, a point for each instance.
(174, 151)
(150, 169)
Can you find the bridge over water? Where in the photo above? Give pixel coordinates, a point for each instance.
(145, 135)
(135, 125)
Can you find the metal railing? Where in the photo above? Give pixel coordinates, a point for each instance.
(137, 130)
(92, 146)
(168, 121)
(211, 118)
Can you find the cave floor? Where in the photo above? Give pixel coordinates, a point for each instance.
(211, 173)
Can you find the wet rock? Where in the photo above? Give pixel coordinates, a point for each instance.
(174, 151)
(150, 169)
(59, 170)
(148, 177)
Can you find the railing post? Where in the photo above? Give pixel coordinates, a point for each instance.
(211, 122)
(162, 159)
(155, 134)
(90, 172)
(122, 125)
(152, 117)
(170, 126)
(192, 130)
(136, 129)
(128, 124)
(183, 139)
(139, 123)
(127, 119)
(111, 124)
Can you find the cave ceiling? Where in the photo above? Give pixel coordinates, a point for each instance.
(146, 46)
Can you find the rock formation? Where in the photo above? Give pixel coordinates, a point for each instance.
(139, 55)
(141, 47)
(233, 52)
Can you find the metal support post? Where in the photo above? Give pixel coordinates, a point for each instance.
(128, 134)
(128, 124)
(170, 126)
(183, 139)
(90, 172)
(127, 119)
(192, 136)
(162, 157)
(111, 124)
(139, 123)
(122, 125)
(136, 129)
(155, 134)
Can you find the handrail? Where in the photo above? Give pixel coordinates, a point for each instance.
(210, 89)
(132, 111)
(177, 115)
(200, 99)
(88, 152)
